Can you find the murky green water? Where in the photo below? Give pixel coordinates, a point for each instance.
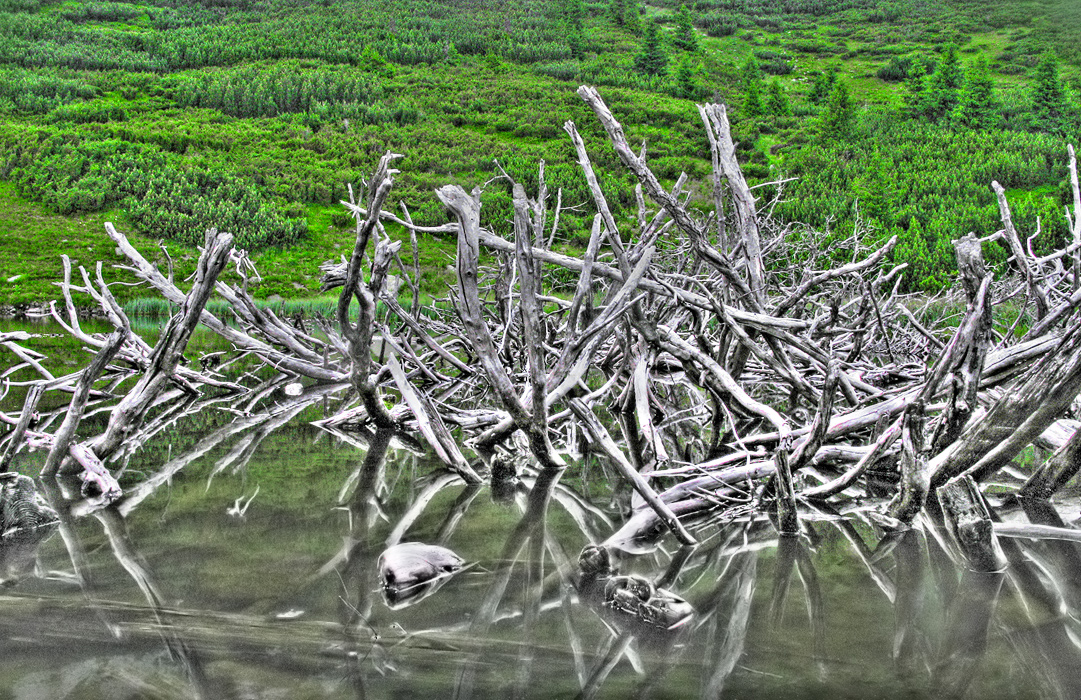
(247, 568)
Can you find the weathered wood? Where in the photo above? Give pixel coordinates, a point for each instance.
(1056, 471)
(603, 440)
(787, 512)
(1017, 418)
(168, 352)
(969, 524)
(1020, 258)
(65, 435)
(915, 479)
(15, 438)
(431, 424)
(742, 199)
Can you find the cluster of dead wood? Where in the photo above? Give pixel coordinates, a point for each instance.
(718, 360)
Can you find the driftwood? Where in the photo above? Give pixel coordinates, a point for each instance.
(719, 363)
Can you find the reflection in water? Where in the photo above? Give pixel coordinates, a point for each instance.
(25, 522)
(968, 618)
(888, 613)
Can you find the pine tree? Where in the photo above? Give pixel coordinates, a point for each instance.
(576, 43)
(617, 11)
(777, 101)
(823, 85)
(685, 84)
(653, 60)
(978, 108)
(941, 94)
(751, 77)
(685, 37)
(632, 20)
(950, 68)
(1049, 103)
(839, 116)
(916, 89)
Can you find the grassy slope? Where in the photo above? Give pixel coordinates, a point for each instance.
(474, 111)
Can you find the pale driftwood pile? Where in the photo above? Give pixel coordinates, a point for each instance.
(717, 360)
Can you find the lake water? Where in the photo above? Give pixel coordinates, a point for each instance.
(244, 565)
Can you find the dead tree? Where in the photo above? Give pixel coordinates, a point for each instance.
(713, 360)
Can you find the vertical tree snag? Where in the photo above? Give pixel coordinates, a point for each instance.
(787, 512)
(915, 479)
(1013, 242)
(359, 335)
(719, 131)
(969, 523)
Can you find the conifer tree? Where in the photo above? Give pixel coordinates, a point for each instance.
(916, 89)
(777, 101)
(950, 69)
(576, 43)
(685, 37)
(978, 108)
(653, 60)
(753, 99)
(940, 97)
(617, 11)
(839, 116)
(632, 20)
(823, 85)
(1050, 105)
(685, 84)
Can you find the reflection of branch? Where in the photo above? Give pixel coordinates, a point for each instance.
(117, 533)
(738, 590)
(15, 438)
(76, 550)
(536, 510)
(137, 494)
(967, 622)
(908, 603)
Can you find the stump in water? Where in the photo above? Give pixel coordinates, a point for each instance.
(969, 524)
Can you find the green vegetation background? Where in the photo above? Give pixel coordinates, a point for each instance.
(256, 115)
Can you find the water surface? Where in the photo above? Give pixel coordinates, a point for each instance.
(244, 565)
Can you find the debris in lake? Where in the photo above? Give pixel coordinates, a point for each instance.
(631, 602)
(635, 603)
(26, 522)
(412, 571)
(22, 508)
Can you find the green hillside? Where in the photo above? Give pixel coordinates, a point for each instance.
(254, 116)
